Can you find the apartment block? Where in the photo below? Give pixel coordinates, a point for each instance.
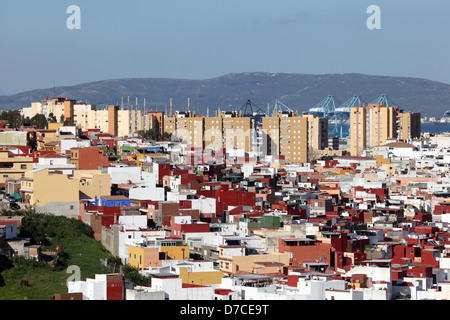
(409, 125)
(237, 131)
(287, 134)
(189, 128)
(271, 135)
(156, 121)
(213, 134)
(317, 132)
(294, 139)
(116, 121)
(373, 125)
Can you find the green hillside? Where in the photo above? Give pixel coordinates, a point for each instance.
(48, 278)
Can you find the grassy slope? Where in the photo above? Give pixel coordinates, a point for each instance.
(79, 249)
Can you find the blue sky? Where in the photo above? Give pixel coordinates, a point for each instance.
(199, 39)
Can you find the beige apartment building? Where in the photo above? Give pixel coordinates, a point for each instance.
(226, 130)
(271, 135)
(286, 133)
(56, 106)
(317, 132)
(213, 133)
(294, 139)
(237, 131)
(374, 124)
(409, 125)
(119, 122)
(187, 127)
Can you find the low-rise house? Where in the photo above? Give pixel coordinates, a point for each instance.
(101, 287)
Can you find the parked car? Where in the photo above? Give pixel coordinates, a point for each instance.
(14, 206)
(11, 199)
(6, 196)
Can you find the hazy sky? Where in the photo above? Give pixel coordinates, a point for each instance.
(199, 39)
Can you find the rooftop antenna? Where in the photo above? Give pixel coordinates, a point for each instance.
(128, 105)
(144, 107)
(170, 112)
(136, 103)
(189, 104)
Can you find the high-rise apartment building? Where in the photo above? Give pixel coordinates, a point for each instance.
(374, 124)
(226, 130)
(57, 107)
(294, 139)
(213, 133)
(409, 125)
(237, 131)
(187, 127)
(317, 132)
(118, 122)
(286, 133)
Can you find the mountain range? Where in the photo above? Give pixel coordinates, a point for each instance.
(232, 91)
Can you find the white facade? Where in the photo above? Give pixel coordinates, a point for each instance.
(133, 221)
(124, 174)
(147, 193)
(92, 289)
(67, 144)
(134, 237)
(174, 290)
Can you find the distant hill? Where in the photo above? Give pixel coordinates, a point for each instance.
(231, 91)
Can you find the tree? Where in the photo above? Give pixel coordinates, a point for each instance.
(51, 118)
(14, 118)
(39, 121)
(68, 122)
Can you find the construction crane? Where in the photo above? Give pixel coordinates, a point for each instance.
(250, 109)
(327, 109)
(343, 112)
(384, 99)
(276, 107)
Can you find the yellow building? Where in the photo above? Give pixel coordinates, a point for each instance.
(317, 133)
(93, 183)
(45, 136)
(119, 122)
(151, 255)
(409, 125)
(201, 277)
(371, 126)
(213, 133)
(143, 257)
(287, 134)
(53, 193)
(271, 135)
(237, 131)
(230, 263)
(294, 139)
(13, 167)
(187, 127)
(58, 107)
